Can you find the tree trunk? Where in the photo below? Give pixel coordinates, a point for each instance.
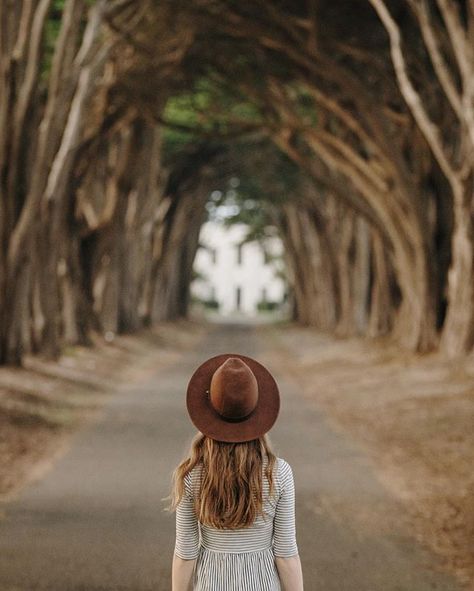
(458, 330)
(312, 274)
(170, 296)
(361, 275)
(381, 300)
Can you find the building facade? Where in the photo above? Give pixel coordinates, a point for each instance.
(240, 278)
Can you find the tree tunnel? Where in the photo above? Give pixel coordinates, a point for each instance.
(349, 126)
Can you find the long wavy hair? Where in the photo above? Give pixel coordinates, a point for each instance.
(231, 488)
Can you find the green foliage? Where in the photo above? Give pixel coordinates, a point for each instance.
(51, 33)
(197, 276)
(304, 105)
(180, 125)
(211, 304)
(206, 110)
(262, 176)
(264, 179)
(267, 306)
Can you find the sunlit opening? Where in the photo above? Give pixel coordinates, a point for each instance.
(239, 269)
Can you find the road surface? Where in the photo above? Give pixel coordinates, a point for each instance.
(96, 520)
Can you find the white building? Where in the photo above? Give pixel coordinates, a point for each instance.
(238, 276)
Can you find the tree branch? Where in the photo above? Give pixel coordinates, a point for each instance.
(411, 96)
(447, 83)
(457, 36)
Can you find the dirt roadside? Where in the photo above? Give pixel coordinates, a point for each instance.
(414, 415)
(44, 403)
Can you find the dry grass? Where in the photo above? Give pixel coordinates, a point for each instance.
(43, 403)
(413, 414)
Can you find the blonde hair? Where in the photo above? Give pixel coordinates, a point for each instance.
(231, 488)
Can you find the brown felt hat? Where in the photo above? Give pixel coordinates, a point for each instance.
(232, 398)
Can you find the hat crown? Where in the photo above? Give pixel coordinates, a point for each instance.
(234, 389)
(205, 402)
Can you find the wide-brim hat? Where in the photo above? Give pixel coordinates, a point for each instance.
(260, 388)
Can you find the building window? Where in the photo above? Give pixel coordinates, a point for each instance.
(264, 294)
(213, 252)
(238, 298)
(239, 253)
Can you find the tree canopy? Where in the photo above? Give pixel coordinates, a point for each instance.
(349, 126)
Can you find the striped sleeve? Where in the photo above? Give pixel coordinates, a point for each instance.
(284, 527)
(187, 528)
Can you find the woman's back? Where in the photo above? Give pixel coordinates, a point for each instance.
(240, 558)
(234, 498)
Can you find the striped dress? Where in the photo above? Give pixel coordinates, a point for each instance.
(240, 559)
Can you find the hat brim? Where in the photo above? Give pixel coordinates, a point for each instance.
(211, 423)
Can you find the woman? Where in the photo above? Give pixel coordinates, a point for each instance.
(234, 499)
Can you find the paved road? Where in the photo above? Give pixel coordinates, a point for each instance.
(95, 522)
